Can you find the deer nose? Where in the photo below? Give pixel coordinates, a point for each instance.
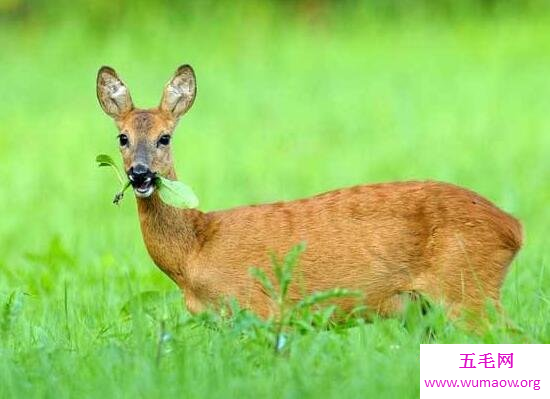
(138, 173)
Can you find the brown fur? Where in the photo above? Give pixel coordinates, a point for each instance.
(382, 239)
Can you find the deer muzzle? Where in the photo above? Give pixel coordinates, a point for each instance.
(142, 180)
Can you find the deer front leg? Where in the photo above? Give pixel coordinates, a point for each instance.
(193, 304)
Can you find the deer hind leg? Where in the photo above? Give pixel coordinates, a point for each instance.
(470, 285)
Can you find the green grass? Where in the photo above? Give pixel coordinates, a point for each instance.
(287, 107)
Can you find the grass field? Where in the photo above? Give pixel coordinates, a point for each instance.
(288, 105)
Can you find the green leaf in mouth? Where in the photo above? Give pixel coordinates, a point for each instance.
(176, 193)
(172, 192)
(120, 194)
(106, 160)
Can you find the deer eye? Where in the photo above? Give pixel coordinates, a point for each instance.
(164, 140)
(123, 140)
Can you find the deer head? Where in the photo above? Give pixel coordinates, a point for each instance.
(145, 134)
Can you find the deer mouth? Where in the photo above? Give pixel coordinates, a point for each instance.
(145, 188)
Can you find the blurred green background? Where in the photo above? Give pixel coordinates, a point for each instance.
(294, 98)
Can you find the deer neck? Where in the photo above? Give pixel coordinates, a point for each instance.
(171, 235)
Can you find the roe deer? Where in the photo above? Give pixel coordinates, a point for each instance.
(385, 240)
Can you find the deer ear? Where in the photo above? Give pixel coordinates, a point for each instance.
(112, 93)
(179, 92)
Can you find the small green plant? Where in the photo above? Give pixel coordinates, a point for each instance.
(172, 192)
(289, 319)
(305, 315)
